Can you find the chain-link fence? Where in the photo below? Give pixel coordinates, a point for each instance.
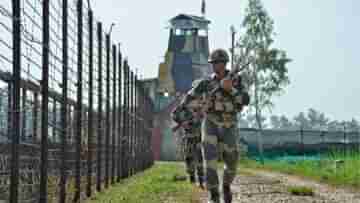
(74, 118)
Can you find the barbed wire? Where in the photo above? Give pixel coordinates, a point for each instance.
(30, 40)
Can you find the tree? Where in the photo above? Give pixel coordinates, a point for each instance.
(334, 126)
(300, 121)
(252, 122)
(317, 120)
(267, 74)
(275, 122)
(353, 125)
(285, 123)
(250, 118)
(243, 122)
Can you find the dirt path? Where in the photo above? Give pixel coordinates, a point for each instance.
(269, 187)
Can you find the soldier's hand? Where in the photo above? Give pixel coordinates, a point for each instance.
(186, 124)
(227, 84)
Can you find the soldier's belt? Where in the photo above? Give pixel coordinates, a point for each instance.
(228, 120)
(194, 139)
(193, 129)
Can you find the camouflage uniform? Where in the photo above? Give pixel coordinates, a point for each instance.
(192, 138)
(219, 129)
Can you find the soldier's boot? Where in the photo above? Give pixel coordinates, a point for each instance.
(227, 194)
(214, 196)
(192, 178)
(201, 178)
(201, 182)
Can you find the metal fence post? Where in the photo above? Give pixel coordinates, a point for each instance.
(144, 129)
(23, 113)
(358, 133)
(322, 141)
(107, 111)
(302, 141)
(70, 123)
(44, 104)
(78, 111)
(100, 113)
(136, 124)
(120, 126)
(143, 124)
(64, 102)
(35, 114)
(10, 109)
(126, 134)
(132, 123)
(15, 114)
(344, 140)
(124, 121)
(91, 105)
(123, 140)
(113, 146)
(54, 126)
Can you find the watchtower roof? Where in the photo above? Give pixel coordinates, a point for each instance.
(185, 21)
(189, 17)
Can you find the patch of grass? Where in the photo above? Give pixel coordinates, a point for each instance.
(329, 169)
(301, 191)
(156, 185)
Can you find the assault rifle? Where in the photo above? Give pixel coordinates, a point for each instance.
(231, 75)
(174, 129)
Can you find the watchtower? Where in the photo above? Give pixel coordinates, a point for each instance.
(186, 55)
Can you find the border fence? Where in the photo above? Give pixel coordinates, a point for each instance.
(326, 156)
(294, 144)
(74, 117)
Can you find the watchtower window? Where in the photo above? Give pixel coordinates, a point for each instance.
(179, 32)
(189, 32)
(203, 33)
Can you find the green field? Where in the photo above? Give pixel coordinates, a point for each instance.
(335, 168)
(156, 185)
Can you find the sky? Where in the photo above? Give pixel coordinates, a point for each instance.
(321, 37)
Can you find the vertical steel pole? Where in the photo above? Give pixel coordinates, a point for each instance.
(55, 127)
(35, 116)
(126, 150)
(10, 110)
(23, 113)
(114, 132)
(91, 105)
(78, 110)
(44, 103)
(100, 113)
(124, 124)
(15, 103)
(64, 102)
(131, 123)
(120, 126)
(107, 124)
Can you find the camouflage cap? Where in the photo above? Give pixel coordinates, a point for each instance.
(219, 55)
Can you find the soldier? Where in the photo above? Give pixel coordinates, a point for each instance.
(189, 118)
(219, 125)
